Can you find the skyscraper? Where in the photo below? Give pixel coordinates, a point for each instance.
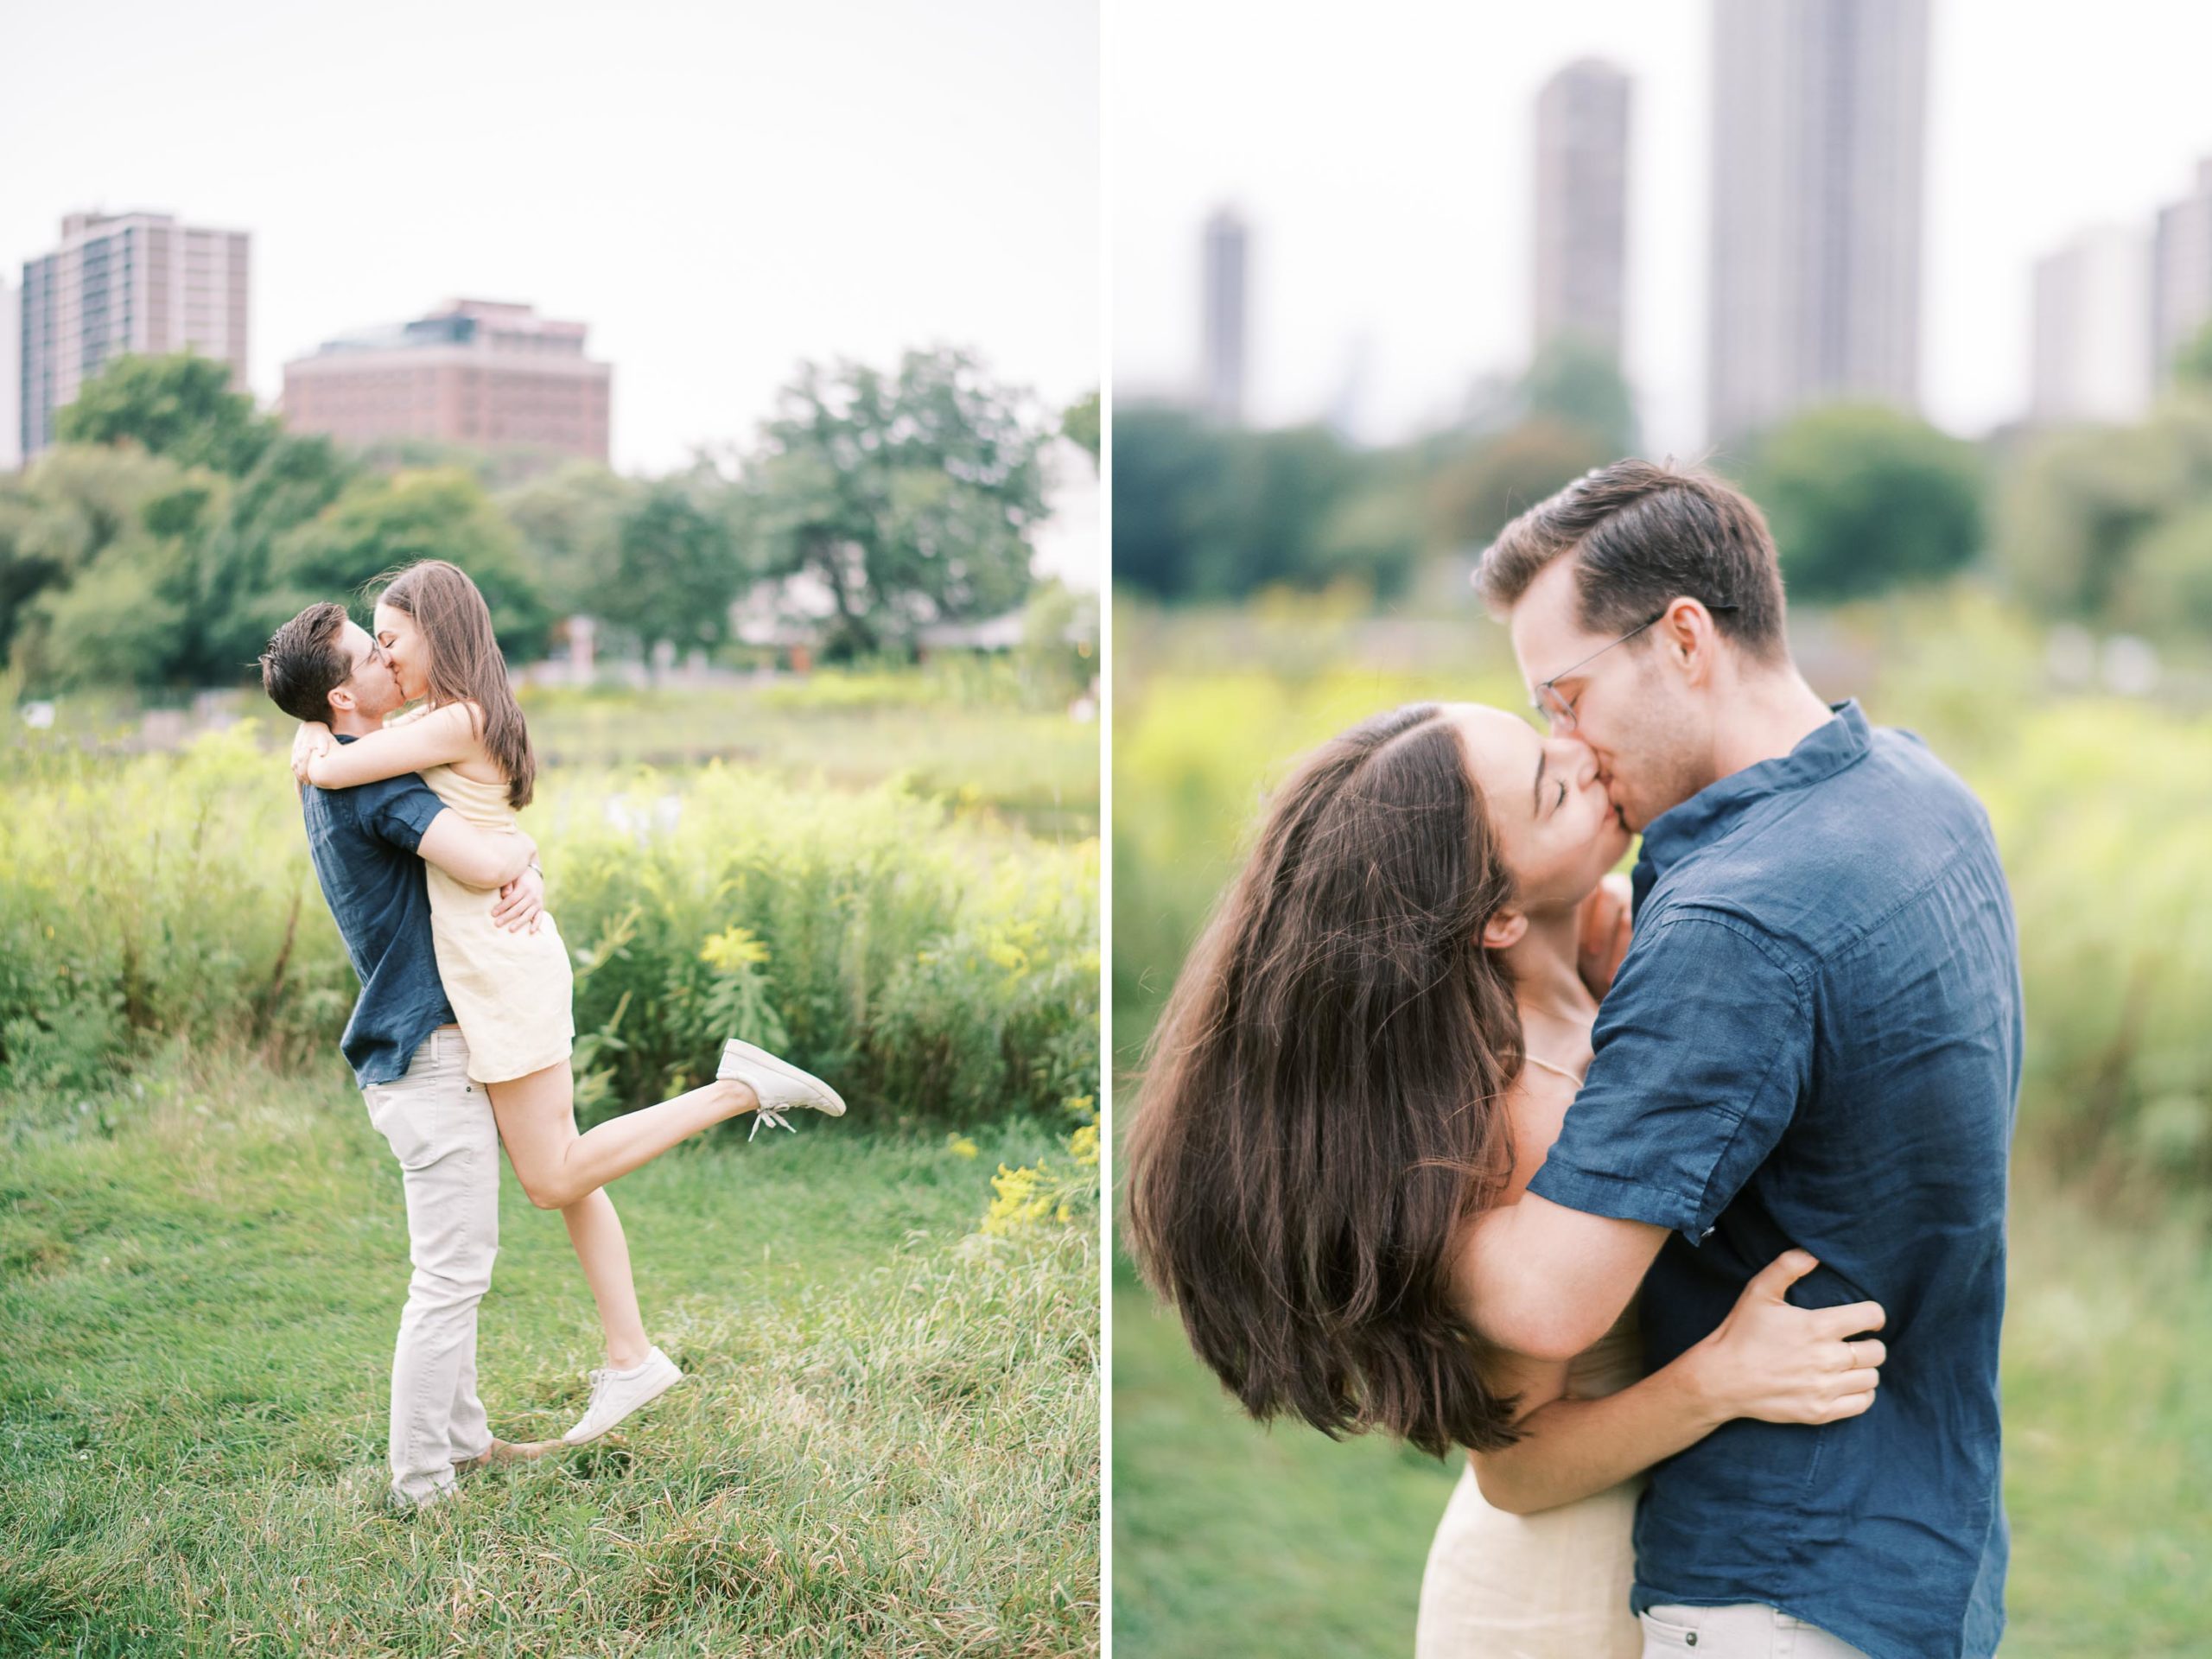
(1222, 329)
(2092, 329)
(2181, 275)
(11, 379)
(1818, 157)
(1582, 205)
(126, 282)
(474, 372)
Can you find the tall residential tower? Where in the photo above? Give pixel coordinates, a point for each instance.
(1582, 206)
(1222, 329)
(119, 282)
(1819, 148)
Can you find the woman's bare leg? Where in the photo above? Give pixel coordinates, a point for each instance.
(557, 1165)
(604, 1253)
(561, 1169)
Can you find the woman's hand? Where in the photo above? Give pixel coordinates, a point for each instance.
(1786, 1365)
(1602, 936)
(312, 739)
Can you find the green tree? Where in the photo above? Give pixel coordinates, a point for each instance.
(1577, 384)
(1173, 529)
(1862, 498)
(909, 498)
(1079, 421)
(568, 521)
(60, 520)
(238, 599)
(377, 524)
(2192, 364)
(675, 570)
(2079, 505)
(1493, 481)
(179, 405)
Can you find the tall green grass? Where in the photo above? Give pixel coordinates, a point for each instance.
(943, 968)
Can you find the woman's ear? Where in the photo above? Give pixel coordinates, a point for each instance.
(1504, 929)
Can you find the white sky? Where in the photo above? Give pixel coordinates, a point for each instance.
(718, 189)
(1383, 154)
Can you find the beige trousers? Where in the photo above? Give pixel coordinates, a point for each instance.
(440, 1127)
(1746, 1630)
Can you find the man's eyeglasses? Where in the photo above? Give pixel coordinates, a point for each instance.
(1556, 708)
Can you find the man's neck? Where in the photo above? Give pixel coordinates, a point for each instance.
(352, 722)
(1769, 715)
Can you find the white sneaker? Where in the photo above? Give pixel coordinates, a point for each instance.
(615, 1395)
(779, 1084)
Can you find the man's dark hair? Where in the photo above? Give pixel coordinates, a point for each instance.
(306, 662)
(1643, 535)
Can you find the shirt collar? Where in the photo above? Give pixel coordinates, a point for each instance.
(1823, 752)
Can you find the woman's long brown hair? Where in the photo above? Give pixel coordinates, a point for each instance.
(465, 663)
(1322, 1109)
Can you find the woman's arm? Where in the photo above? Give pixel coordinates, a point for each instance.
(1768, 1360)
(439, 738)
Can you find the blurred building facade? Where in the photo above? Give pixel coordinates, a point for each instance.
(126, 282)
(1222, 326)
(1582, 117)
(11, 378)
(2093, 358)
(486, 373)
(2181, 274)
(1818, 154)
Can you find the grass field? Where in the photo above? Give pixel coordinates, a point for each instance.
(886, 1444)
(1231, 1539)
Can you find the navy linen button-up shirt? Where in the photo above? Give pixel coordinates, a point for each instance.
(1814, 1041)
(363, 840)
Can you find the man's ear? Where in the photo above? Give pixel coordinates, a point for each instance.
(1688, 636)
(1504, 929)
(341, 700)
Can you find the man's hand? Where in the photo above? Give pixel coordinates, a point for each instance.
(522, 901)
(313, 738)
(1602, 936)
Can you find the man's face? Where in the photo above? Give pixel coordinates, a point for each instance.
(1640, 722)
(372, 689)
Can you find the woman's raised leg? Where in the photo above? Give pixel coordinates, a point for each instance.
(557, 1165)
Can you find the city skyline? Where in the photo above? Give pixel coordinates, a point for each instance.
(675, 178)
(1405, 219)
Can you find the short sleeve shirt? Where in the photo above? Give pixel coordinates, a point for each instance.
(363, 840)
(1814, 1042)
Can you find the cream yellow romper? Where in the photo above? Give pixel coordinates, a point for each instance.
(1549, 1586)
(513, 993)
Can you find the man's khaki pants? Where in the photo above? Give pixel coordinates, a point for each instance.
(440, 1127)
(1746, 1630)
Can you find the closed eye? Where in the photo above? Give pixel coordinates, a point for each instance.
(1563, 795)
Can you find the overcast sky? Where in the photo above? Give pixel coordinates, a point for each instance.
(719, 190)
(1382, 154)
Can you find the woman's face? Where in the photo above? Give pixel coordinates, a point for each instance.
(405, 648)
(1557, 831)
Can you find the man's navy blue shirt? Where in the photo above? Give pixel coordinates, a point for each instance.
(364, 843)
(1814, 1042)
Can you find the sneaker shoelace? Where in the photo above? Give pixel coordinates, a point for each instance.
(768, 1114)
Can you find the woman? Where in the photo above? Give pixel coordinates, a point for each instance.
(511, 991)
(1373, 1043)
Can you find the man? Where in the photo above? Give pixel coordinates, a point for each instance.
(368, 845)
(1813, 1043)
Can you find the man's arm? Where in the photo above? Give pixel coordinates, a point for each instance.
(1699, 1054)
(474, 856)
